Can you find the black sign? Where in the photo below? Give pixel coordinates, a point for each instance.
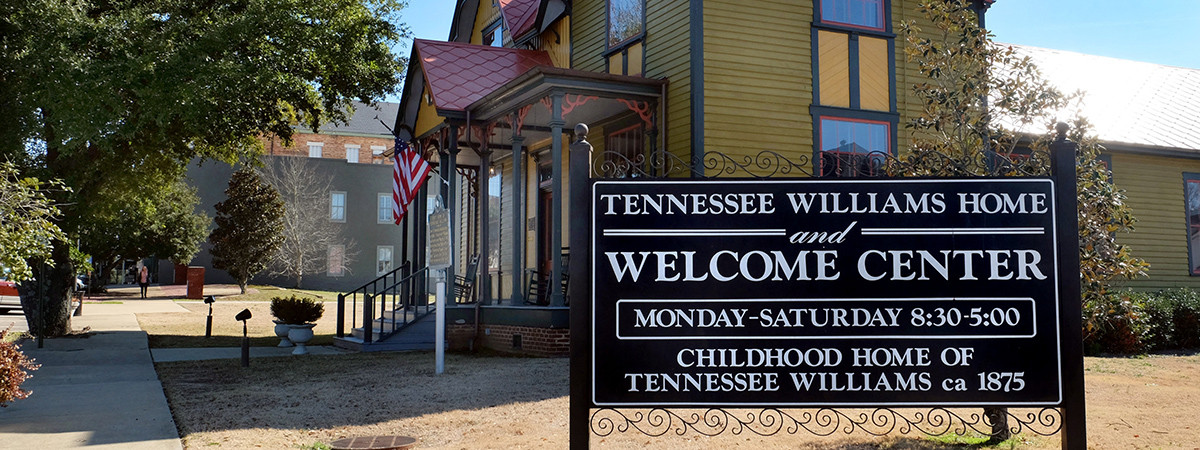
(824, 293)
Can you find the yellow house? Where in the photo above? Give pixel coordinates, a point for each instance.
(814, 87)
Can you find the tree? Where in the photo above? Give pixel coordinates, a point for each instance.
(307, 231)
(983, 105)
(162, 223)
(26, 223)
(982, 108)
(249, 227)
(127, 93)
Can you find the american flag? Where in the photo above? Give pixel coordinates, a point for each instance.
(410, 172)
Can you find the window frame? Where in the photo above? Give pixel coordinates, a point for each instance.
(629, 127)
(352, 149)
(391, 261)
(490, 31)
(333, 207)
(1191, 177)
(380, 201)
(319, 147)
(821, 113)
(609, 46)
(885, 16)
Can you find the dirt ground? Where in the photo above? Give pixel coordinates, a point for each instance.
(494, 402)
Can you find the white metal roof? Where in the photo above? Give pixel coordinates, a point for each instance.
(1128, 102)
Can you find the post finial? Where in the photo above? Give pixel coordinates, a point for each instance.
(581, 131)
(1061, 128)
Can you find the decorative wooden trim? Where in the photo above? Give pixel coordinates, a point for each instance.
(643, 110)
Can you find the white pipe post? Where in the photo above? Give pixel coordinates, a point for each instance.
(439, 334)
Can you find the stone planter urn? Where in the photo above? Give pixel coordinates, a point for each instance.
(281, 330)
(300, 334)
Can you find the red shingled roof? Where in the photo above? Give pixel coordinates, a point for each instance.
(458, 74)
(519, 15)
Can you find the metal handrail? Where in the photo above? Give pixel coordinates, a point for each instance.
(397, 293)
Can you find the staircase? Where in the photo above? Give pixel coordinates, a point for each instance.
(417, 334)
(403, 322)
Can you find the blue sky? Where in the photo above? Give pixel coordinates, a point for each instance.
(1157, 31)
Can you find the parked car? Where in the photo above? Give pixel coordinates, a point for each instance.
(9, 299)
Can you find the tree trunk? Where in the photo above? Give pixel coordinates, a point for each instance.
(46, 299)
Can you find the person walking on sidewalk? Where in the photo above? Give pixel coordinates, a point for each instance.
(144, 280)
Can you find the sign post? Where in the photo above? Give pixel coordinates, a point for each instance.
(439, 259)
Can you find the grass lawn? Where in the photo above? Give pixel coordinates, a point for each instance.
(176, 330)
(257, 293)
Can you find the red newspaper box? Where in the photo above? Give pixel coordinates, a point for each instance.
(195, 282)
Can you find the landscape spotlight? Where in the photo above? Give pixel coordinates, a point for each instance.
(209, 300)
(244, 316)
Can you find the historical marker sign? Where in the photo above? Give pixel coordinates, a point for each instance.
(439, 239)
(824, 293)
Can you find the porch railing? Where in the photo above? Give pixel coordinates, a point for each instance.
(390, 302)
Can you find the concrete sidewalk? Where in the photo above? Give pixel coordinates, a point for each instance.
(97, 391)
(100, 390)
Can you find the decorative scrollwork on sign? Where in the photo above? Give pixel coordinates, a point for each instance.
(820, 421)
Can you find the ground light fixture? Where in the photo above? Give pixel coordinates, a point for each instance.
(209, 300)
(244, 316)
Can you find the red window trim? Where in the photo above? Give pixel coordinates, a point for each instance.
(882, 19)
(888, 125)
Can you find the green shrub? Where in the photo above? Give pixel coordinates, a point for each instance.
(1160, 327)
(1115, 323)
(1185, 315)
(296, 310)
(1130, 322)
(14, 369)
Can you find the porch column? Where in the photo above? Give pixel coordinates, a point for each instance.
(518, 218)
(483, 205)
(556, 199)
(449, 199)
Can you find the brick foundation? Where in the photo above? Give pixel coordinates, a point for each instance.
(533, 341)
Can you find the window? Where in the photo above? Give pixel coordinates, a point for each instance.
(377, 154)
(1191, 198)
(626, 27)
(352, 153)
(867, 14)
(384, 211)
(854, 72)
(337, 206)
(853, 147)
(337, 260)
(626, 21)
(625, 149)
(493, 34)
(314, 149)
(383, 259)
(495, 216)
